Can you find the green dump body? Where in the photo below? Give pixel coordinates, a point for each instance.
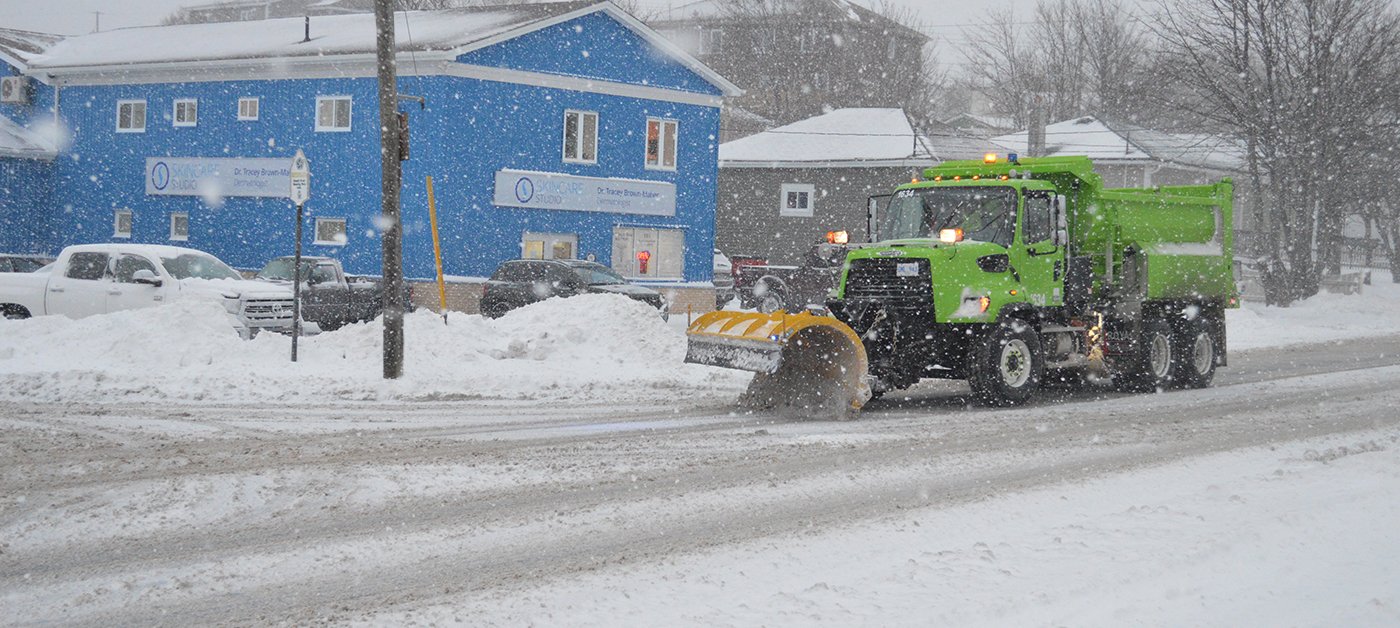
(1167, 242)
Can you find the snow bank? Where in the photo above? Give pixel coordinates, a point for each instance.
(1323, 318)
(587, 348)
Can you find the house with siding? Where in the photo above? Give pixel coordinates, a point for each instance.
(782, 189)
(550, 130)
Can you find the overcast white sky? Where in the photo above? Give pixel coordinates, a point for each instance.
(73, 17)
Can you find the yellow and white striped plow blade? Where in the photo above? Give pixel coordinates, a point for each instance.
(803, 361)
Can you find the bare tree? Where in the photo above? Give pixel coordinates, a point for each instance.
(1303, 83)
(1077, 57)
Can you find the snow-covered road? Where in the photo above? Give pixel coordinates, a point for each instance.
(511, 513)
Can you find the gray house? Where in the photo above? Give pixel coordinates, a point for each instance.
(785, 188)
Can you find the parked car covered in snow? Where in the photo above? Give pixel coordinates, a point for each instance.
(93, 279)
(518, 283)
(329, 297)
(10, 263)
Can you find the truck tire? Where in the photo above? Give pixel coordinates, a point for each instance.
(14, 312)
(1006, 365)
(1195, 355)
(1153, 366)
(771, 294)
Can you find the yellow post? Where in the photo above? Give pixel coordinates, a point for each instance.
(437, 253)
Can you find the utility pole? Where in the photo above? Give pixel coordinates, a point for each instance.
(1035, 135)
(96, 21)
(389, 159)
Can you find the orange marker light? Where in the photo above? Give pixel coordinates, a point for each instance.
(950, 235)
(838, 237)
(989, 158)
(984, 303)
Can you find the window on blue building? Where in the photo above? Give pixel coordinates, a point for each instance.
(121, 223)
(332, 113)
(131, 116)
(248, 108)
(661, 143)
(186, 112)
(180, 226)
(330, 231)
(581, 136)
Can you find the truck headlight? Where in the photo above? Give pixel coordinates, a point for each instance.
(231, 303)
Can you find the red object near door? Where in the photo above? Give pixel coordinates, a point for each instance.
(642, 258)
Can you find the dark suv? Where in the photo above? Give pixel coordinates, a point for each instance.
(517, 283)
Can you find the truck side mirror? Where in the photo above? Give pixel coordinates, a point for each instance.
(1061, 234)
(872, 204)
(145, 276)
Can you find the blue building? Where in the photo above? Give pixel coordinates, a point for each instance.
(550, 130)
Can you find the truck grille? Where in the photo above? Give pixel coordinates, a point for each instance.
(267, 311)
(880, 279)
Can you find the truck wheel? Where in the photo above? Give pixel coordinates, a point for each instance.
(14, 312)
(1006, 365)
(1153, 366)
(771, 294)
(1195, 366)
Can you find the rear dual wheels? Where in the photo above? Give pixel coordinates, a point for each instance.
(1153, 365)
(1167, 358)
(1007, 365)
(1196, 355)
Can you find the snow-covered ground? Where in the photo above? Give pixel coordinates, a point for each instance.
(562, 466)
(1298, 535)
(594, 348)
(585, 349)
(1323, 318)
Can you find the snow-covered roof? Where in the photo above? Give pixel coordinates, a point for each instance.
(19, 142)
(808, 9)
(16, 46)
(437, 35)
(1109, 142)
(282, 38)
(986, 121)
(868, 137)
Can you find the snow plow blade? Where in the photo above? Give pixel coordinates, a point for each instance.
(806, 364)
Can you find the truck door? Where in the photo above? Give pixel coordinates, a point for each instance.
(82, 288)
(125, 293)
(1039, 261)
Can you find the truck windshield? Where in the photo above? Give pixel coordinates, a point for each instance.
(193, 266)
(985, 214)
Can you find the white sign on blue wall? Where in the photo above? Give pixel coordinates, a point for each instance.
(549, 190)
(200, 176)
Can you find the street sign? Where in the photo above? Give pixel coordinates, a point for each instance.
(300, 191)
(301, 179)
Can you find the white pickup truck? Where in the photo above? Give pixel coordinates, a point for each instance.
(93, 279)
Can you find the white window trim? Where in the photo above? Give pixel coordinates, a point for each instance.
(179, 238)
(117, 221)
(809, 211)
(142, 128)
(349, 118)
(257, 105)
(564, 137)
(316, 231)
(175, 112)
(661, 145)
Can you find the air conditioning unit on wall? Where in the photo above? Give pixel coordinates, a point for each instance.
(14, 90)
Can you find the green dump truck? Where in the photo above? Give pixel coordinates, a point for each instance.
(1013, 274)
